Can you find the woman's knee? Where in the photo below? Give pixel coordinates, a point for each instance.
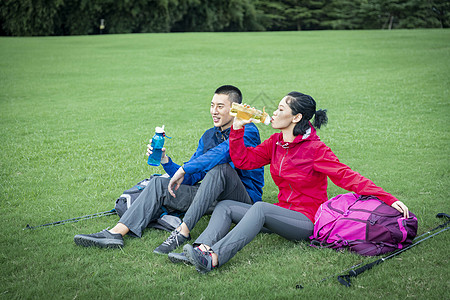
(230, 208)
(259, 209)
(262, 206)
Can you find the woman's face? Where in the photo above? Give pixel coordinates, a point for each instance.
(282, 118)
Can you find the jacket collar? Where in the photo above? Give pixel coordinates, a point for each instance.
(310, 135)
(222, 135)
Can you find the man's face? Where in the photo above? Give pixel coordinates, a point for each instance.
(220, 111)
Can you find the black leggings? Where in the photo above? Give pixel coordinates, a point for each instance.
(250, 219)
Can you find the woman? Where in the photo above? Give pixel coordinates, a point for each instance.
(299, 164)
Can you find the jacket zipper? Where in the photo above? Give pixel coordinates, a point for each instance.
(282, 160)
(279, 174)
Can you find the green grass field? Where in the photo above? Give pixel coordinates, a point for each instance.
(76, 114)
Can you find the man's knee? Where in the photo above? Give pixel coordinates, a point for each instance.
(159, 181)
(219, 170)
(155, 187)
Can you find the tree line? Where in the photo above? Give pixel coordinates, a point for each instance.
(81, 17)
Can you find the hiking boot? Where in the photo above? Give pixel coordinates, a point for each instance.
(178, 258)
(175, 240)
(200, 259)
(102, 239)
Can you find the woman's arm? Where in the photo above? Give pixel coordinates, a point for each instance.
(343, 176)
(248, 158)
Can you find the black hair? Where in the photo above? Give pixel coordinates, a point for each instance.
(233, 93)
(305, 105)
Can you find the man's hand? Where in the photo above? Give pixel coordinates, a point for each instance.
(176, 181)
(164, 157)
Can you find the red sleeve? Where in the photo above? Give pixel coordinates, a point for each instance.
(248, 158)
(340, 174)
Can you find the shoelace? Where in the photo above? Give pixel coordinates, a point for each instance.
(173, 237)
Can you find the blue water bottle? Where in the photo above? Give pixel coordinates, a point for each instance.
(157, 144)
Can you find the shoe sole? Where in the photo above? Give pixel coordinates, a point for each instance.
(177, 260)
(189, 251)
(159, 252)
(92, 242)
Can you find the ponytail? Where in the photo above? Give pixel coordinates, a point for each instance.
(320, 118)
(305, 105)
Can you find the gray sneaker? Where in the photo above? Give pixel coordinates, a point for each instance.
(178, 258)
(201, 260)
(175, 240)
(102, 239)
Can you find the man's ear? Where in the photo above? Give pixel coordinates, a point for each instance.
(297, 118)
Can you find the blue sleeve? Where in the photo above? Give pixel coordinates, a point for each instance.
(220, 154)
(251, 136)
(170, 167)
(213, 157)
(189, 179)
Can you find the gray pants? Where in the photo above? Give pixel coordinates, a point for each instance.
(250, 219)
(221, 182)
(147, 207)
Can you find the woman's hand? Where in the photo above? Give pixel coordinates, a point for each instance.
(164, 157)
(401, 207)
(239, 123)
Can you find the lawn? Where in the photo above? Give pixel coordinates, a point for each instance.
(76, 114)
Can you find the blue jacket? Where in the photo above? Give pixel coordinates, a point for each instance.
(213, 149)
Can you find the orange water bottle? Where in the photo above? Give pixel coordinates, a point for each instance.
(245, 112)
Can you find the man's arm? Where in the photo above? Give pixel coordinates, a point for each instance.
(221, 153)
(213, 157)
(189, 179)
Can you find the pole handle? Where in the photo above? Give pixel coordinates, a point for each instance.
(356, 272)
(345, 279)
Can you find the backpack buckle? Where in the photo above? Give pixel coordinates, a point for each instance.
(373, 219)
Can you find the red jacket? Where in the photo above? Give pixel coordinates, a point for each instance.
(300, 170)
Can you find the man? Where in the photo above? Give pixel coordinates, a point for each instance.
(210, 163)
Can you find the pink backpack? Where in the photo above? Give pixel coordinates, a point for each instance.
(362, 224)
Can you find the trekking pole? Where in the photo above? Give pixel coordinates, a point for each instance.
(62, 222)
(299, 286)
(439, 215)
(346, 279)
